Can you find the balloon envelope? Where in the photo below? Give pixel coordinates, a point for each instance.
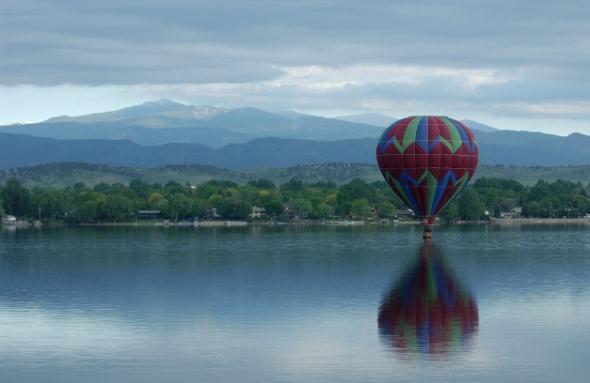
(427, 160)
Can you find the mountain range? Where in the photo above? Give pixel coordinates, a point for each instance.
(165, 121)
(65, 174)
(376, 119)
(166, 132)
(501, 147)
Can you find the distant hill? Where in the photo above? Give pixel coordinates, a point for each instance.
(501, 147)
(65, 174)
(289, 114)
(474, 125)
(383, 121)
(164, 121)
(70, 173)
(533, 149)
(133, 131)
(158, 108)
(210, 136)
(22, 150)
(377, 119)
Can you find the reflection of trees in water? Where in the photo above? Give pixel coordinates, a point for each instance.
(428, 311)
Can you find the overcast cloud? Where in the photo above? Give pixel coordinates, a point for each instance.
(523, 64)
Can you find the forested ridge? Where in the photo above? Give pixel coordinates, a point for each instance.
(63, 174)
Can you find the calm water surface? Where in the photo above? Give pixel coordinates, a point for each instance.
(479, 304)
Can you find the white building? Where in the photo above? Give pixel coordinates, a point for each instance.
(257, 212)
(9, 220)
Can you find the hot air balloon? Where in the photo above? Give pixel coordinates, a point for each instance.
(428, 312)
(427, 161)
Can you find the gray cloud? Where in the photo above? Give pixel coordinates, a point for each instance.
(234, 41)
(530, 53)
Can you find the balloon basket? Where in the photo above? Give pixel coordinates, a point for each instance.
(427, 234)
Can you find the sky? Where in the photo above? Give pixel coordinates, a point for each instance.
(521, 65)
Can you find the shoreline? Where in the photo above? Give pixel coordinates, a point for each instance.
(541, 221)
(233, 223)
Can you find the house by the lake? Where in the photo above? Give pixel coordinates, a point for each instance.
(9, 220)
(257, 212)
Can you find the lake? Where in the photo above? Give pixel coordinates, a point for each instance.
(295, 304)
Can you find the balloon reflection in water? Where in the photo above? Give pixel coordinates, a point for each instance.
(428, 312)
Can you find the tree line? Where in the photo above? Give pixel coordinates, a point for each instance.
(293, 200)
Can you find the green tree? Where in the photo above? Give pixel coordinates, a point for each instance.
(180, 206)
(238, 210)
(469, 205)
(293, 185)
(154, 199)
(199, 207)
(119, 207)
(215, 201)
(533, 209)
(546, 208)
(48, 203)
(581, 203)
(355, 190)
(300, 207)
(360, 208)
(386, 209)
(90, 206)
(163, 205)
(332, 199)
(206, 190)
(175, 187)
(16, 198)
(87, 211)
(139, 188)
(262, 183)
(273, 206)
(324, 211)
(451, 212)
(319, 200)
